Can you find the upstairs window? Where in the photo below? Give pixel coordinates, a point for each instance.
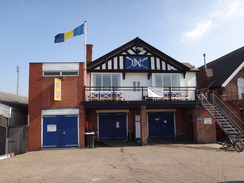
(61, 73)
(106, 81)
(240, 85)
(60, 69)
(136, 86)
(166, 81)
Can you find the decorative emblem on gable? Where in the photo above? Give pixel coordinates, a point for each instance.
(137, 62)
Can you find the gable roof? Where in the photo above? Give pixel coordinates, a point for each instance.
(137, 42)
(226, 67)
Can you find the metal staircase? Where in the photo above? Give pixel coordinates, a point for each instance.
(227, 119)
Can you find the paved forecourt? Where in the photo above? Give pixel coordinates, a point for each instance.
(153, 163)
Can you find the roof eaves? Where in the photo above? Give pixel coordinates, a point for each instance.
(233, 75)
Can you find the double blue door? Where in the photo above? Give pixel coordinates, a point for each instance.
(112, 126)
(161, 125)
(60, 131)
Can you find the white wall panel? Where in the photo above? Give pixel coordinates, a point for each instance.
(60, 67)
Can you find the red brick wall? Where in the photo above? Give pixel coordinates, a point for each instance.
(204, 78)
(34, 107)
(91, 118)
(183, 123)
(203, 133)
(231, 90)
(144, 129)
(230, 93)
(41, 95)
(70, 92)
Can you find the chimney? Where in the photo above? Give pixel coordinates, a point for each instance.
(204, 58)
(89, 53)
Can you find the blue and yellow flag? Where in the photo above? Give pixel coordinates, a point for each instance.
(59, 38)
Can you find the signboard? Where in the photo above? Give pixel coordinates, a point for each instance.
(117, 124)
(57, 89)
(137, 117)
(207, 121)
(137, 62)
(199, 119)
(51, 128)
(5, 111)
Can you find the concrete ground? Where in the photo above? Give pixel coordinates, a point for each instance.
(176, 163)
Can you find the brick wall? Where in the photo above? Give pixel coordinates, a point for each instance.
(183, 123)
(203, 133)
(41, 95)
(143, 115)
(34, 107)
(231, 90)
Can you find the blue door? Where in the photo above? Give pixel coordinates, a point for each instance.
(60, 131)
(112, 126)
(161, 125)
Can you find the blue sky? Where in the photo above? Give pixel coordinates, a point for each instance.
(182, 29)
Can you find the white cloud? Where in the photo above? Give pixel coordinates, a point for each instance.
(224, 12)
(199, 30)
(228, 10)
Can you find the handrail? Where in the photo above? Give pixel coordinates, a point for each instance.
(127, 93)
(217, 113)
(230, 113)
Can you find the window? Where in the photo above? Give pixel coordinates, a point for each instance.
(60, 69)
(60, 73)
(136, 86)
(106, 81)
(240, 85)
(167, 80)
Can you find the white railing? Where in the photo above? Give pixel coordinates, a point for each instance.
(182, 93)
(139, 93)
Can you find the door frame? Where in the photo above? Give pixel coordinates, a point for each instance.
(113, 111)
(60, 111)
(161, 110)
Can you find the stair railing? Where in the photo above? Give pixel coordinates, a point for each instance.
(204, 98)
(228, 111)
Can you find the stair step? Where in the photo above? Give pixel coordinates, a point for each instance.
(223, 121)
(227, 127)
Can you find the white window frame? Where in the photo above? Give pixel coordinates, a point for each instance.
(171, 74)
(137, 86)
(93, 74)
(60, 69)
(240, 86)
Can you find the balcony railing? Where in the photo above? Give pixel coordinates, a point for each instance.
(139, 93)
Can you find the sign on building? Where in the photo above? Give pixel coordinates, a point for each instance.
(57, 89)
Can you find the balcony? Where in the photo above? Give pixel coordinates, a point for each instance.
(140, 93)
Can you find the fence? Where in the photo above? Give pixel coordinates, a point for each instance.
(17, 139)
(2, 139)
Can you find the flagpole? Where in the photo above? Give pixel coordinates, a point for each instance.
(84, 41)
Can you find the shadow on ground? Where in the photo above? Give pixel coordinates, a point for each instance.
(172, 143)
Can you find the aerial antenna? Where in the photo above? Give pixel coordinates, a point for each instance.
(17, 92)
